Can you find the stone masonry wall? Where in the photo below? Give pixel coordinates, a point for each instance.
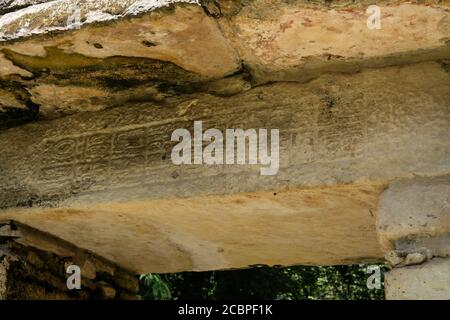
(30, 273)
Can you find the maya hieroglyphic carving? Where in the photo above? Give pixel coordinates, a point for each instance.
(100, 159)
(131, 154)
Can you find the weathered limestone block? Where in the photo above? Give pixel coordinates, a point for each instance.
(295, 40)
(413, 222)
(156, 56)
(414, 218)
(29, 17)
(428, 281)
(128, 51)
(330, 133)
(109, 180)
(183, 35)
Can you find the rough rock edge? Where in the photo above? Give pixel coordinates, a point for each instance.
(14, 5)
(21, 13)
(58, 15)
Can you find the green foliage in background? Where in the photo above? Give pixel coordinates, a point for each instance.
(154, 287)
(300, 282)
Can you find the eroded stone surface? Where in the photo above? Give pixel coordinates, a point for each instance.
(42, 16)
(292, 226)
(330, 133)
(154, 57)
(416, 213)
(107, 176)
(428, 281)
(183, 35)
(261, 41)
(295, 42)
